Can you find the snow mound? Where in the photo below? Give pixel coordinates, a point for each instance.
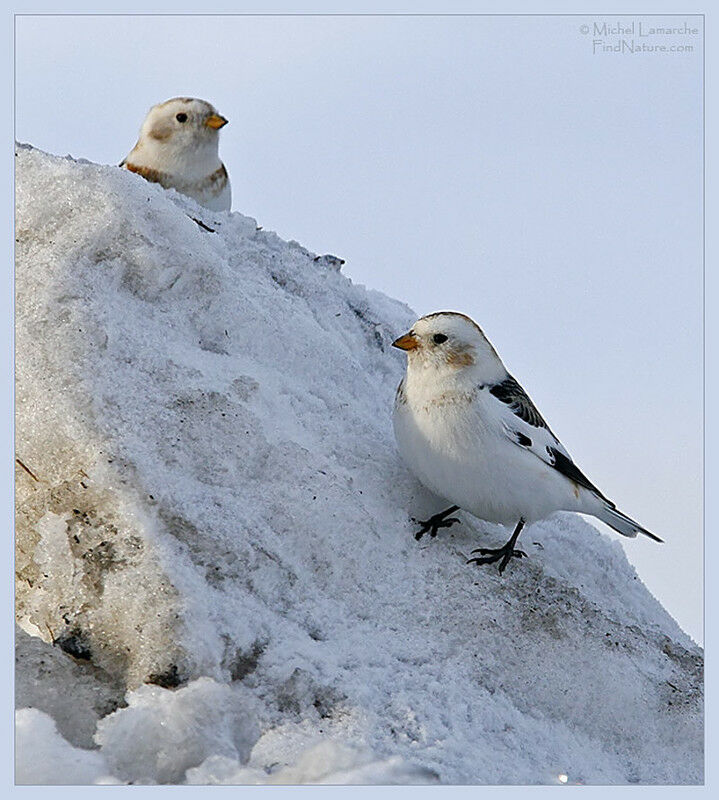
(210, 501)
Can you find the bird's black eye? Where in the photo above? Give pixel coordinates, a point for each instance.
(438, 338)
(181, 117)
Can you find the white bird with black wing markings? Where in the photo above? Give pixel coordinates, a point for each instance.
(471, 435)
(179, 149)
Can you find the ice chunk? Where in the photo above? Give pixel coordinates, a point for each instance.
(163, 733)
(72, 691)
(42, 756)
(326, 763)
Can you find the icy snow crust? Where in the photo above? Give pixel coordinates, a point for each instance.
(217, 531)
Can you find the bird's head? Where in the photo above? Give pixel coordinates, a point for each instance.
(450, 344)
(182, 123)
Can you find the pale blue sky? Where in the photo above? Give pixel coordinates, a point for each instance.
(493, 165)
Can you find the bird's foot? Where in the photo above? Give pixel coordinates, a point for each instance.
(503, 554)
(434, 523)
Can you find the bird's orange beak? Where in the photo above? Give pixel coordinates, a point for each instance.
(406, 342)
(215, 121)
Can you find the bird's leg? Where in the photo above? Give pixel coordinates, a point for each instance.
(434, 523)
(501, 554)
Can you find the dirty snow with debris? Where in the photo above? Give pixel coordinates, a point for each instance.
(217, 578)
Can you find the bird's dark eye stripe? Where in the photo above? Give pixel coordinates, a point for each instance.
(438, 338)
(181, 117)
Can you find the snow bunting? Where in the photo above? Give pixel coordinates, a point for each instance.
(471, 435)
(177, 148)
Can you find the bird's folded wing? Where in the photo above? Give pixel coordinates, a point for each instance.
(523, 424)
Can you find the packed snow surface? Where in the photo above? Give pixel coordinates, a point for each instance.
(214, 533)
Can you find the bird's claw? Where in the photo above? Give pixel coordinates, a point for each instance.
(484, 551)
(432, 525)
(489, 555)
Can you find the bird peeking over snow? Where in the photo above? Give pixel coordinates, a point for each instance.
(471, 435)
(178, 148)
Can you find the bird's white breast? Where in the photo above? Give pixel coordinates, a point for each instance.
(456, 448)
(440, 441)
(196, 172)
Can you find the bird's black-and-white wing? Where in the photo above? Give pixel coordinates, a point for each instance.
(525, 426)
(517, 400)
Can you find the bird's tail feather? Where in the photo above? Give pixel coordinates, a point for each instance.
(624, 524)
